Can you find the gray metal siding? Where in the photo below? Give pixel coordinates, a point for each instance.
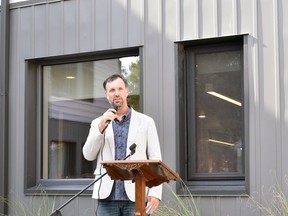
(74, 26)
(4, 103)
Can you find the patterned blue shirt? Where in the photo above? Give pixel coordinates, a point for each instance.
(120, 129)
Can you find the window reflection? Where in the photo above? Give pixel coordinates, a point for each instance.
(73, 96)
(218, 100)
(62, 159)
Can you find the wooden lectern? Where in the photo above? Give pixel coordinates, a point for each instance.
(144, 173)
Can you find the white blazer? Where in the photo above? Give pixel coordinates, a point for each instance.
(142, 132)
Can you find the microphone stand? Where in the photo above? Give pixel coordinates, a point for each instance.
(57, 212)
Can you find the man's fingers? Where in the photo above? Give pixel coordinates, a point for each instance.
(152, 205)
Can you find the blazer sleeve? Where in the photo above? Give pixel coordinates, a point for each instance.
(93, 142)
(153, 153)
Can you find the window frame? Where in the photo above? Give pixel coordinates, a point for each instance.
(217, 185)
(33, 184)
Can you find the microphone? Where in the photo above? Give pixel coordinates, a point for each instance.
(132, 149)
(113, 106)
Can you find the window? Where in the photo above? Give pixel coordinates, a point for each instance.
(212, 84)
(65, 95)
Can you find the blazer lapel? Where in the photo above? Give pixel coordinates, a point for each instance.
(133, 128)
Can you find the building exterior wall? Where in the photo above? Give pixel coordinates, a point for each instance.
(4, 109)
(54, 28)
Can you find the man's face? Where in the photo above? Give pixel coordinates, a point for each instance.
(116, 92)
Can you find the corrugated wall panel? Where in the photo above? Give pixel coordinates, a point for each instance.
(268, 93)
(152, 56)
(86, 25)
(26, 29)
(20, 46)
(135, 22)
(227, 17)
(212, 206)
(70, 28)
(55, 29)
(253, 95)
(102, 25)
(229, 207)
(40, 34)
(118, 14)
(283, 66)
(208, 18)
(245, 15)
(189, 20)
(170, 28)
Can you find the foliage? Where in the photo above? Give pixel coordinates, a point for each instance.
(178, 205)
(272, 203)
(33, 207)
(133, 78)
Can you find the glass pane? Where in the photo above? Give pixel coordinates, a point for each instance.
(73, 96)
(218, 112)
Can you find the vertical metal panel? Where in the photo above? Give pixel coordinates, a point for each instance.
(70, 26)
(135, 22)
(40, 31)
(228, 206)
(168, 83)
(102, 25)
(4, 102)
(26, 30)
(268, 94)
(278, 86)
(208, 19)
(86, 25)
(152, 56)
(283, 67)
(21, 46)
(227, 13)
(211, 202)
(253, 96)
(245, 16)
(55, 29)
(118, 15)
(189, 20)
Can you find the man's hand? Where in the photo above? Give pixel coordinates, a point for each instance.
(152, 204)
(107, 117)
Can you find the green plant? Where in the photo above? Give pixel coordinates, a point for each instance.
(41, 206)
(178, 205)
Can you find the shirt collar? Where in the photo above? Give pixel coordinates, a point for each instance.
(126, 116)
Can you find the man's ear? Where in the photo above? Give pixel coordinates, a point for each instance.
(106, 95)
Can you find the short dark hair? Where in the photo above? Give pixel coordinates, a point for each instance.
(114, 77)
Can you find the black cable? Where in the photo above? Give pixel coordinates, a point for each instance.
(101, 155)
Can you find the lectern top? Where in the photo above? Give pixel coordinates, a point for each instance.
(155, 172)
